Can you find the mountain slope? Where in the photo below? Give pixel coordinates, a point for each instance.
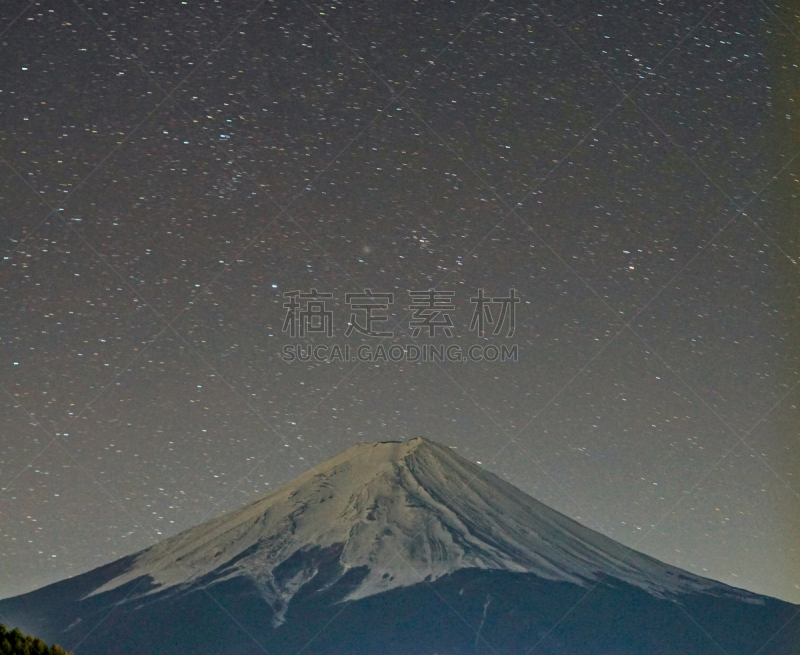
(416, 502)
(372, 523)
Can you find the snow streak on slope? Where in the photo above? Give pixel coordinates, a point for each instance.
(406, 511)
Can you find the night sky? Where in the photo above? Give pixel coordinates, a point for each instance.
(170, 170)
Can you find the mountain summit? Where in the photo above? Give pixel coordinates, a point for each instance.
(403, 512)
(385, 529)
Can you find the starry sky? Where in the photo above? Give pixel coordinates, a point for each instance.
(170, 170)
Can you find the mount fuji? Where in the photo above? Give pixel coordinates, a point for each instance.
(399, 548)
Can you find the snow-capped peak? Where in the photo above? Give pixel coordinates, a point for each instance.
(406, 511)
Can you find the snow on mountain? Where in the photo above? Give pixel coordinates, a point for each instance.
(406, 511)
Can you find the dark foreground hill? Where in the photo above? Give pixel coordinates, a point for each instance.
(15, 642)
(406, 549)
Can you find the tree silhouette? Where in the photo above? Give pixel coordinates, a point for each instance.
(15, 642)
